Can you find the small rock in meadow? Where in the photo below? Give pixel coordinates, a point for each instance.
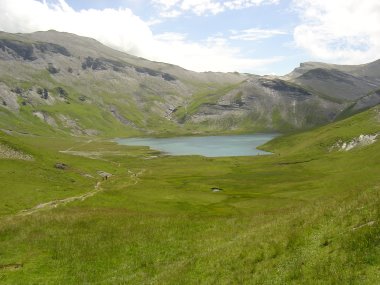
(60, 165)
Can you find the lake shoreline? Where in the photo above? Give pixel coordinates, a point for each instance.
(208, 146)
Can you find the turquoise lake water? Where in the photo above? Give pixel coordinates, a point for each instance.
(209, 146)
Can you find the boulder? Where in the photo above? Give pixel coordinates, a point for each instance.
(60, 165)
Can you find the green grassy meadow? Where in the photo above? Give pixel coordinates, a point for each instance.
(304, 215)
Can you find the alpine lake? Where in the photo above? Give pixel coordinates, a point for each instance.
(208, 146)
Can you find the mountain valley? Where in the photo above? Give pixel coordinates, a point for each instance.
(78, 208)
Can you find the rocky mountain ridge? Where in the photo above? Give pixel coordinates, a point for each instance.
(64, 83)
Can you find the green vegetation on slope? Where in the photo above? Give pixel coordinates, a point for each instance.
(99, 91)
(206, 96)
(303, 215)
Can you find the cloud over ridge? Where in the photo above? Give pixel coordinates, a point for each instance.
(123, 30)
(344, 31)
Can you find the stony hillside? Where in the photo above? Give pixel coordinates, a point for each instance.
(52, 82)
(313, 94)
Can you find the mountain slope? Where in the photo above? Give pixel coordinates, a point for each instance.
(355, 85)
(52, 82)
(44, 72)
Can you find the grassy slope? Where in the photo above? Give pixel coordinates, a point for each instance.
(137, 98)
(97, 116)
(303, 215)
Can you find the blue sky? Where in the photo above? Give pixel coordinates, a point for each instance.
(256, 36)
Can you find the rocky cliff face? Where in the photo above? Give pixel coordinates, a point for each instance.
(76, 85)
(273, 103)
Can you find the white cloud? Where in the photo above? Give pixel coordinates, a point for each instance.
(170, 37)
(170, 14)
(166, 4)
(243, 4)
(200, 7)
(122, 30)
(345, 31)
(175, 8)
(255, 34)
(212, 54)
(117, 28)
